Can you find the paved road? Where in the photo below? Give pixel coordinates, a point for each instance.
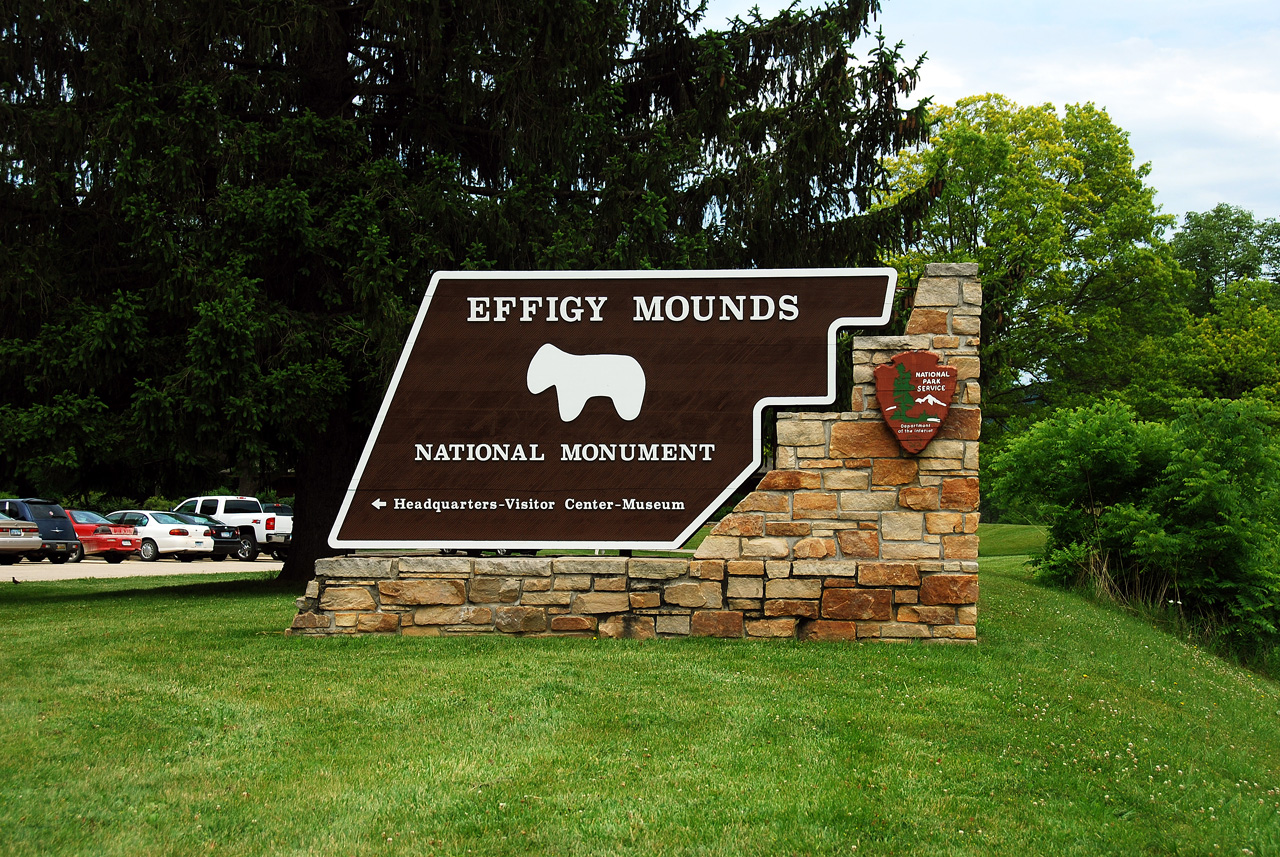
(92, 566)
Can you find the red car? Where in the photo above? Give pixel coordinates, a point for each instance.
(99, 536)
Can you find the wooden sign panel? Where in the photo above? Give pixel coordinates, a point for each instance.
(592, 409)
(915, 394)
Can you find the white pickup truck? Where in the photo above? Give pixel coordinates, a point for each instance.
(260, 529)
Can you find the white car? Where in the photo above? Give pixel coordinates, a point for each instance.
(165, 533)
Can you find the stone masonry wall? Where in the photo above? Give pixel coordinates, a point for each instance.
(849, 538)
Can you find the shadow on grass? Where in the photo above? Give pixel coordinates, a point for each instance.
(253, 583)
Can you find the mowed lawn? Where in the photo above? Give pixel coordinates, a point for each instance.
(172, 716)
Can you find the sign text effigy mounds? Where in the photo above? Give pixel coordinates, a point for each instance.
(592, 409)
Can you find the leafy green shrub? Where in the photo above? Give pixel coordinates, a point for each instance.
(1187, 512)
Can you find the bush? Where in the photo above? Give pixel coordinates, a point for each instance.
(1187, 512)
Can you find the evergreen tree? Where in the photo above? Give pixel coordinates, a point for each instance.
(219, 217)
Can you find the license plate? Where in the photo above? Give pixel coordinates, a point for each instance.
(126, 543)
(199, 543)
(15, 532)
(60, 547)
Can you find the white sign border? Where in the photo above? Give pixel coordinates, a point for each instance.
(760, 405)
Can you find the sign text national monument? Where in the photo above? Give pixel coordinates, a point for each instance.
(592, 409)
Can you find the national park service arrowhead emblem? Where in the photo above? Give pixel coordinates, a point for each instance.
(915, 394)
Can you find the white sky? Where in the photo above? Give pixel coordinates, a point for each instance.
(1196, 85)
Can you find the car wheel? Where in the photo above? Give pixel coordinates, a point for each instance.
(185, 557)
(77, 553)
(114, 558)
(148, 552)
(218, 557)
(248, 550)
(8, 559)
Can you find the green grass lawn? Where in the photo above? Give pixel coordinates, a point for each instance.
(171, 716)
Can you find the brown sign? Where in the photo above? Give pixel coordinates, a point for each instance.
(915, 394)
(592, 409)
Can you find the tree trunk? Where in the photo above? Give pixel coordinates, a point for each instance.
(324, 472)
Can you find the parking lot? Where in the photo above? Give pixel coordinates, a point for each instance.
(92, 566)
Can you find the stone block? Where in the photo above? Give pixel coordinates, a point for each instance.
(949, 589)
(421, 631)
(628, 628)
(790, 480)
(942, 614)
(937, 292)
(824, 568)
(464, 615)
(514, 566)
(814, 548)
(804, 503)
(928, 321)
(361, 567)
(520, 620)
(357, 598)
(378, 623)
(903, 630)
(311, 621)
(456, 566)
(863, 439)
(763, 502)
(893, 471)
(489, 590)
(888, 574)
(739, 524)
(859, 544)
(657, 569)
(717, 547)
(771, 627)
(871, 604)
(611, 584)
(647, 600)
(803, 608)
(746, 567)
(422, 592)
(776, 568)
(793, 588)
(909, 550)
(937, 448)
(788, 528)
(967, 615)
(801, 433)
(943, 522)
(828, 630)
(573, 623)
(707, 569)
(742, 587)
(769, 548)
(573, 582)
(716, 623)
(906, 596)
(960, 547)
(846, 480)
(960, 494)
(746, 605)
(591, 565)
(677, 625)
(703, 594)
(537, 584)
(955, 632)
(918, 498)
(902, 526)
(601, 602)
(546, 599)
(966, 367)
(868, 501)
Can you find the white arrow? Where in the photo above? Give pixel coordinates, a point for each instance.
(379, 503)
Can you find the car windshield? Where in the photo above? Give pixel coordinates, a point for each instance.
(278, 509)
(81, 516)
(242, 507)
(167, 518)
